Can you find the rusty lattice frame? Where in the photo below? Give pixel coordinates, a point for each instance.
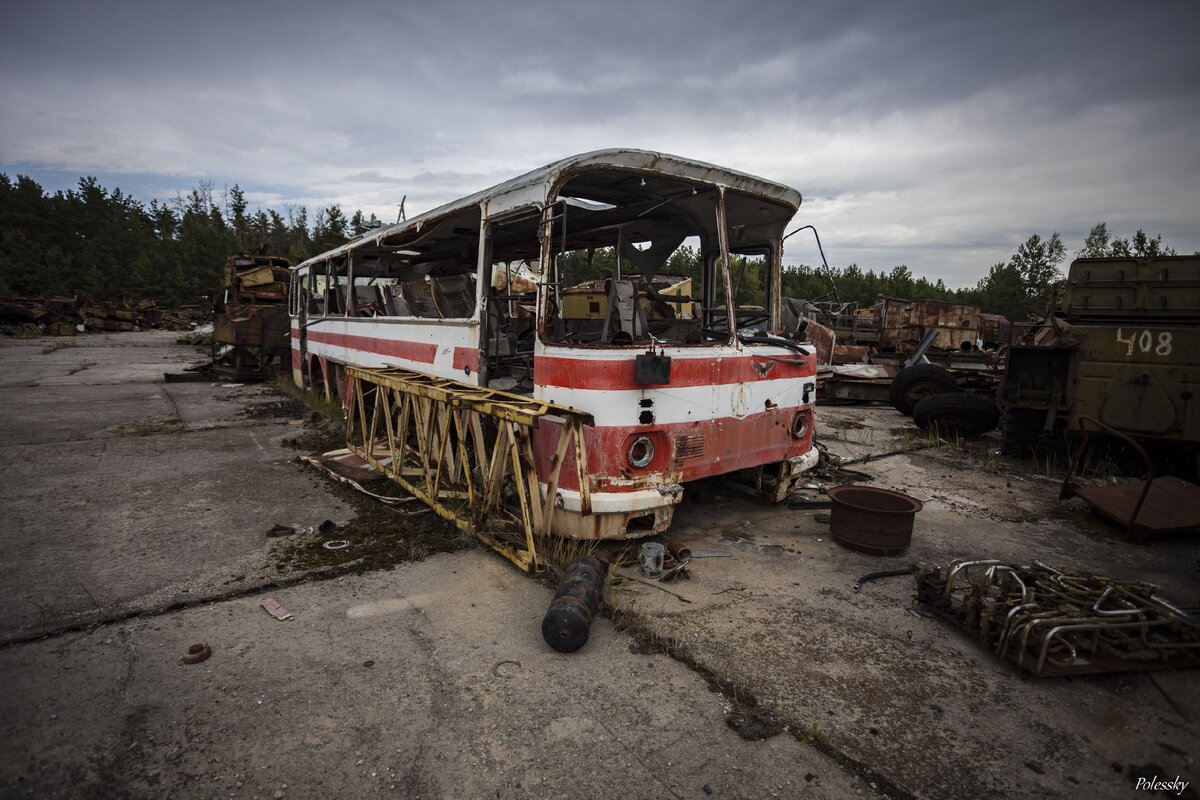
(467, 452)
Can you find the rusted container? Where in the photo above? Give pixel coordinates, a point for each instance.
(905, 322)
(568, 621)
(994, 329)
(876, 521)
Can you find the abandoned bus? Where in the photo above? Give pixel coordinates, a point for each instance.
(635, 291)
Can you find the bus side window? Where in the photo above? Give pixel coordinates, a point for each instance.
(316, 295)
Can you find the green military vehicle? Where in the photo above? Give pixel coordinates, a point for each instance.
(1123, 348)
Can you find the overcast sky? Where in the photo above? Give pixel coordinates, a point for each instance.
(937, 135)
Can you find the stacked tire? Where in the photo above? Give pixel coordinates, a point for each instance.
(931, 395)
(957, 413)
(918, 382)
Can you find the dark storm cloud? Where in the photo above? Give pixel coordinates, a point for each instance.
(934, 134)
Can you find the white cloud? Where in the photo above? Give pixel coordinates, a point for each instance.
(935, 135)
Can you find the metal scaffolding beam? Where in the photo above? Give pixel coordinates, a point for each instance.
(467, 452)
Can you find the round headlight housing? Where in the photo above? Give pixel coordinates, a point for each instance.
(800, 425)
(641, 452)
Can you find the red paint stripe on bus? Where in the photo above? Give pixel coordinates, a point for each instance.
(423, 352)
(465, 357)
(720, 446)
(574, 373)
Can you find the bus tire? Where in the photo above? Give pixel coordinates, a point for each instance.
(964, 414)
(916, 383)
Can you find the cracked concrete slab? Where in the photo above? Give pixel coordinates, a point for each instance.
(892, 687)
(430, 680)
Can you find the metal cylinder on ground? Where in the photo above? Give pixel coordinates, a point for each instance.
(679, 551)
(568, 621)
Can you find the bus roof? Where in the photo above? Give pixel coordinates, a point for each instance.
(533, 188)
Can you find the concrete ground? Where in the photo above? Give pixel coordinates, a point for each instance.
(764, 675)
(908, 694)
(121, 491)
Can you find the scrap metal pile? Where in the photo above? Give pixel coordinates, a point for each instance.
(250, 324)
(1055, 623)
(66, 316)
(862, 350)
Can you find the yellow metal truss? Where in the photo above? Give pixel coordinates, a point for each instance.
(467, 452)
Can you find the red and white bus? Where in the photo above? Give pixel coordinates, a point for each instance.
(639, 287)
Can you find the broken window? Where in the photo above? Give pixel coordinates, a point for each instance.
(750, 275)
(637, 258)
(429, 273)
(510, 305)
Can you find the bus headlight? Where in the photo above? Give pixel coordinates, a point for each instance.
(641, 452)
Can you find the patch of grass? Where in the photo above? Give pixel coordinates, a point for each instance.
(841, 425)
(330, 409)
(27, 330)
(285, 408)
(558, 551)
(380, 536)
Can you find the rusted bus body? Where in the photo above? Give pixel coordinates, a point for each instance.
(698, 388)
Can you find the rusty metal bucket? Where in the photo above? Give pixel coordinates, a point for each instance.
(876, 521)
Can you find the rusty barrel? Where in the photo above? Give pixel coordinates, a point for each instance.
(876, 521)
(569, 618)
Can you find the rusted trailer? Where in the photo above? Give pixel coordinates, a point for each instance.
(517, 414)
(914, 349)
(903, 324)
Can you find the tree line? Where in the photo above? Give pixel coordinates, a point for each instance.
(100, 244)
(1024, 286)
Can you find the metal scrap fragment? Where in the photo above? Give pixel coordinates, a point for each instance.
(272, 607)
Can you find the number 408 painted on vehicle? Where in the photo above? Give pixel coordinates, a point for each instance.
(1144, 342)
